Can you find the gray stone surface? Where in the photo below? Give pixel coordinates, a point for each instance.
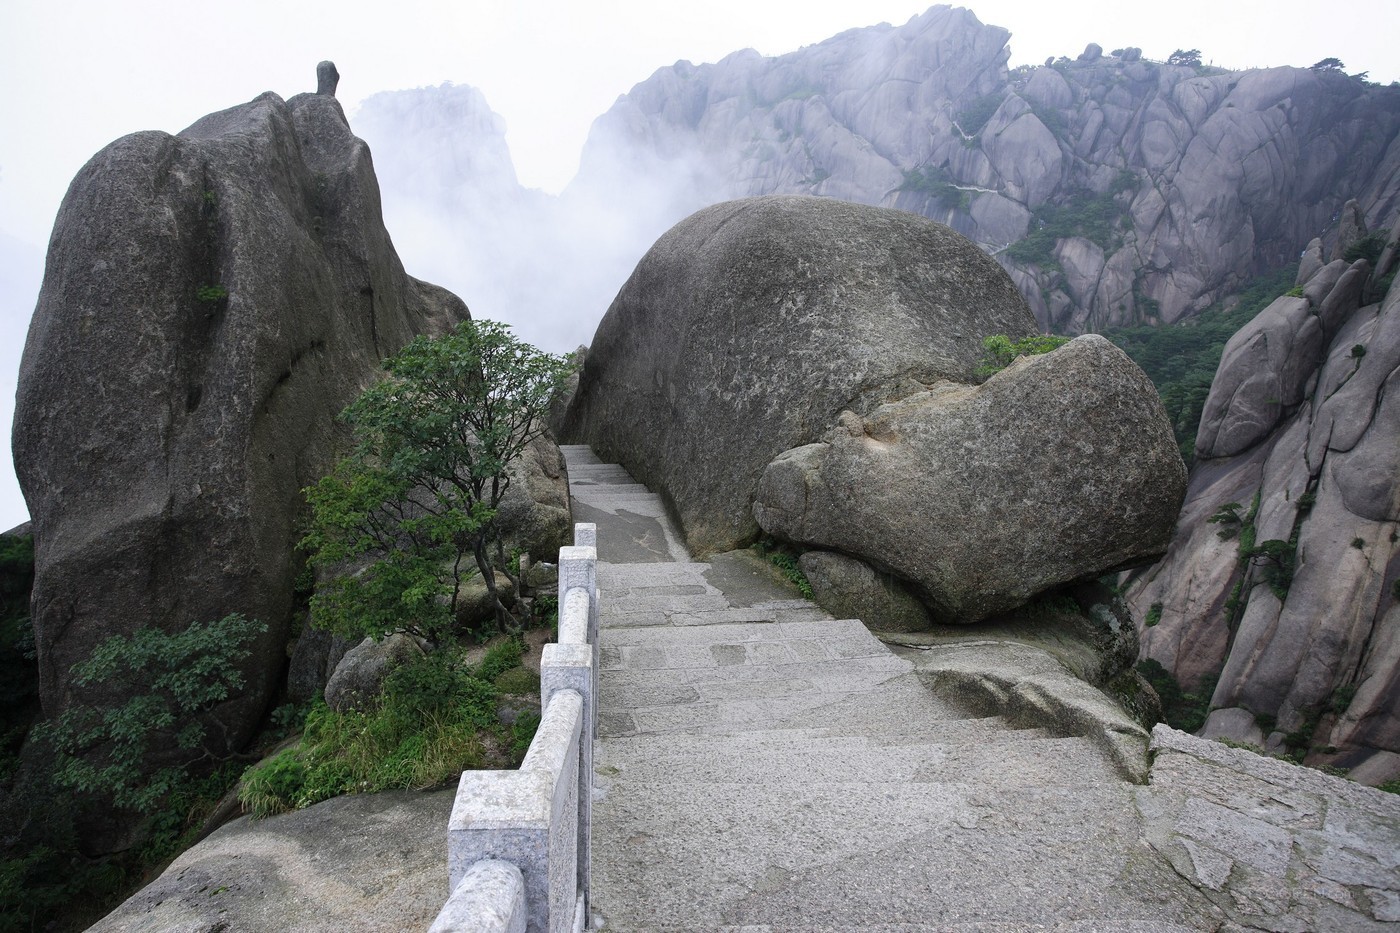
(761, 773)
(490, 898)
(535, 511)
(749, 326)
(358, 678)
(211, 301)
(1323, 466)
(1273, 845)
(375, 863)
(1227, 172)
(327, 77)
(1058, 469)
(849, 588)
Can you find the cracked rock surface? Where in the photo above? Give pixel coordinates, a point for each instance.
(1302, 432)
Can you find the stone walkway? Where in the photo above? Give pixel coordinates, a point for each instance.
(765, 767)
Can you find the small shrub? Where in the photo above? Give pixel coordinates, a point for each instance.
(975, 115)
(1341, 698)
(501, 657)
(522, 733)
(436, 718)
(1229, 519)
(787, 563)
(1390, 787)
(1358, 543)
(104, 750)
(1180, 710)
(1154, 615)
(1368, 248)
(1000, 351)
(1275, 559)
(518, 681)
(1358, 351)
(211, 293)
(1295, 292)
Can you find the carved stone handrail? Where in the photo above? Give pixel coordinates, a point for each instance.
(519, 843)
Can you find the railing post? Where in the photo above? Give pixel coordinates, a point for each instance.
(572, 664)
(539, 818)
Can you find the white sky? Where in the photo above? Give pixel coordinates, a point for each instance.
(77, 74)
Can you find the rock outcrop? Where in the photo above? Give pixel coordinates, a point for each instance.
(369, 862)
(1280, 579)
(1126, 190)
(1116, 190)
(212, 300)
(752, 324)
(1057, 469)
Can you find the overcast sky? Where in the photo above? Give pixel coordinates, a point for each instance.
(77, 74)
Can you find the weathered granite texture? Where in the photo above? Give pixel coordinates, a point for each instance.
(211, 301)
(752, 324)
(1300, 431)
(1274, 846)
(1205, 176)
(371, 862)
(849, 588)
(1058, 469)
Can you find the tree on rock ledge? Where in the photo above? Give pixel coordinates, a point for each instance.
(410, 514)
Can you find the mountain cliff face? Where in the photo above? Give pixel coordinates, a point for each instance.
(211, 301)
(1281, 580)
(1115, 190)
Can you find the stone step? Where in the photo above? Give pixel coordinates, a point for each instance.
(578, 454)
(869, 855)
(1004, 759)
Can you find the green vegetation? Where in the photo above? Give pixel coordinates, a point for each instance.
(1000, 351)
(1092, 216)
(1180, 710)
(99, 758)
(211, 293)
(1190, 58)
(786, 561)
(19, 701)
(934, 181)
(973, 118)
(1181, 360)
(437, 716)
(400, 525)
(105, 751)
(1154, 615)
(415, 502)
(1368, 248)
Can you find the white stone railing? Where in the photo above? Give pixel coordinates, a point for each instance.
(519, 842)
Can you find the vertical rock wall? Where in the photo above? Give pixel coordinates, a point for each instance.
(211, 301)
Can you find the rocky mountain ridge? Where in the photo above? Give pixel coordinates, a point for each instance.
(1115, 190)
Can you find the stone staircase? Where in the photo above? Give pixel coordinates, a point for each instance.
(762, 766)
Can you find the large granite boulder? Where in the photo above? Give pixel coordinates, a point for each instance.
(752, 324)
(211, 301)
(1058, 469)
(374, 863)
(1301, 433)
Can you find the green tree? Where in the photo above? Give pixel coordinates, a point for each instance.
(1188, 57)
(106, 750)
(410, 514)
(1327, 66)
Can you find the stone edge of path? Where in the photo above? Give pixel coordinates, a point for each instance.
(1029, 687)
